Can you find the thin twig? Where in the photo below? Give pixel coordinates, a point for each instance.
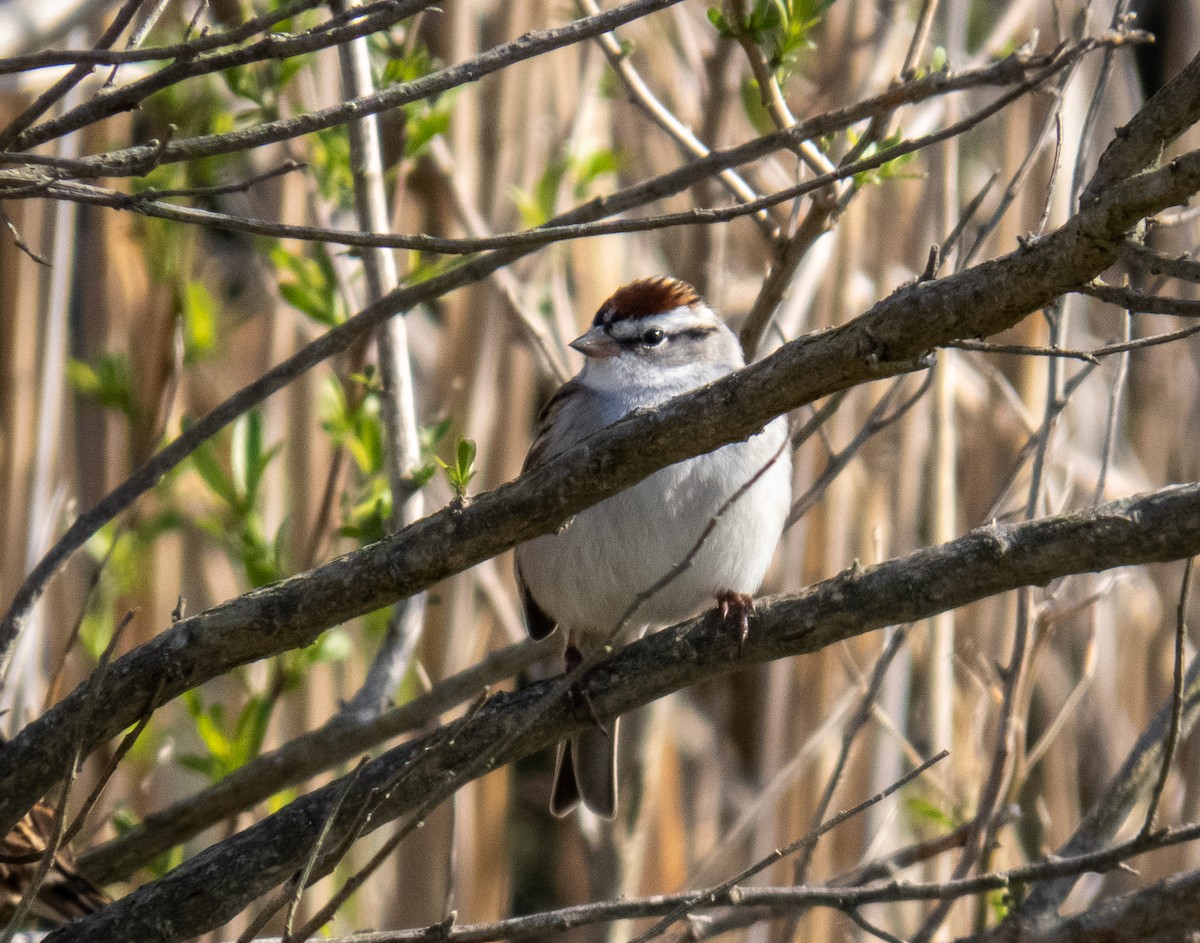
(415, 821)
(306, 872)
(19, 240)
(528, 323)
(1182, 267)
(102, 57)
(920, 36)
(139, 158)
(864, 924)
(642, 96)
(1092, 356)
(710, 895)
(778, 900)
(1024, 350)
(878, 420)
(1115, 389)
(138, 37)
(1031, 443)
(1119, 14)
(1140, 302)
(856, 723)
(1171, 742)
(44, 102)
(819, 417)
(49, 854)
(271, 46)
(965, 217)
(1032, 154)
(110, 768)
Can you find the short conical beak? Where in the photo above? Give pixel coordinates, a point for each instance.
(596, 343)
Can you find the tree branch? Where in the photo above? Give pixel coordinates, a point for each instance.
(208, 890)
(135, 159)
(892, 338)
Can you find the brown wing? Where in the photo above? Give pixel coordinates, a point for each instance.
(64, 895)
(539, 449)
(537, 620)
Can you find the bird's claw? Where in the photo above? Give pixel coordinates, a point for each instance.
(735, 613)
(572, 659)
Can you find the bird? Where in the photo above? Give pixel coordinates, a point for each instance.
(653, 339)
(64, 895)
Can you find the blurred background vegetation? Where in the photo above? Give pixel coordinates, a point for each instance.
(140, 325)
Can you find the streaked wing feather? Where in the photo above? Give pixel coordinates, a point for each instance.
(540, 450)
(65, 894)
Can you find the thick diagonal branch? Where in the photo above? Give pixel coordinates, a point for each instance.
(891, 338)
(211, 888)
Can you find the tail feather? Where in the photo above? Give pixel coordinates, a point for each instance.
(586, 771)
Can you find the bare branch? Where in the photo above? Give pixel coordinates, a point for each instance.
(338, 740)
(209, 889)
(1141, 303)
(139, 158)
(1183, 267)
(55, 92)
(805, 842)
(1129, 785)
(98, 57)
(1171, 741)
(890, 339)
(270, 46)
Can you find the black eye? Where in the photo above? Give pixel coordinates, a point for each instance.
(653, 337)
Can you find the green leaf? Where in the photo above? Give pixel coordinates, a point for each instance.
(717, 18)
(890, 170)
(924, 810)
(589, 168)
(251, 729)
(313, 289)
(207, 721)
(199, 320)
(249, 458)
(463, 470)
(206, 766)
(430, 436)
(205, 461)
(752, 104)
(106, 383)
(334, 645)
(303, 299)
(424, 127)
(329, 158)
(466, 458)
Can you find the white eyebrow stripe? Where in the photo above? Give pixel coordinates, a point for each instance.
(674, 321)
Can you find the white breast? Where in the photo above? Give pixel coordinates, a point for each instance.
(589, 575)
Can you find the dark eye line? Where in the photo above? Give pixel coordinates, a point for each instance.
(644, 339)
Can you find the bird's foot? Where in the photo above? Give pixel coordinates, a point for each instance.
(735, 611)
(572, 659)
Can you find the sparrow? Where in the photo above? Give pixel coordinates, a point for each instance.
(654, 339)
